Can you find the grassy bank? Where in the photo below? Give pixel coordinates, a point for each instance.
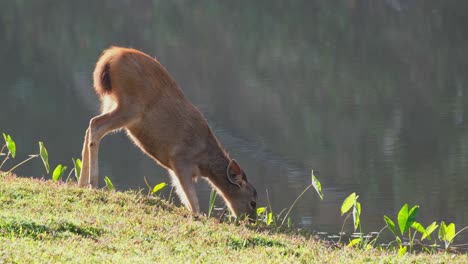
(44, 221)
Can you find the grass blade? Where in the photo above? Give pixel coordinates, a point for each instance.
(44, 156)
(211, 205)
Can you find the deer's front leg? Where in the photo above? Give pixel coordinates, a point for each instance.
(185, 187)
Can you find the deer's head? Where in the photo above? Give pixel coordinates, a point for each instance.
(241, 195)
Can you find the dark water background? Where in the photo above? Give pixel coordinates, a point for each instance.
(372, 95)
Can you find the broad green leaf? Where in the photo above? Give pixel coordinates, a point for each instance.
(58, 172)
(317, 185)
(407, 217)
(109, 184)
(44, 156)
(442, 231)
(402, 251)
(403, 218)
(10, 143)
(429, 230)
(418, 227)
(77, 164)
(269, 218)
(413, 213)
(450, 232)
(354, 242)
(290, 224)
(356, 215)
(261, 210)
(348, 203)
(158, 187)
(391, 225)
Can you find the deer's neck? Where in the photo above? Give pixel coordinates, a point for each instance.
(215, 167)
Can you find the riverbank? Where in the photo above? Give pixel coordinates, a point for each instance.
(45, 221)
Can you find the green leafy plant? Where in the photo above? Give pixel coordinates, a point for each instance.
(318, 188)
(11, 146)
(155, 189)
(447, 233)
(407, 222)
(317, 185)
(77, 168)
(351, 203)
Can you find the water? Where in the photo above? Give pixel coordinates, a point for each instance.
(370, 95)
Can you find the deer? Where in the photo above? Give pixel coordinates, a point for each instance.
(138, 95)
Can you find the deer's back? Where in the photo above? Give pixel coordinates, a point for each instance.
(167, 125)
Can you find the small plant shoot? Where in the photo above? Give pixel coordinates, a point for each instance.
(10, 144)
(261, 210)
(158, 187)
(269, 218)
(318, 187)
(58, 172)
(77, 167)
(109, 184)
(447, 233)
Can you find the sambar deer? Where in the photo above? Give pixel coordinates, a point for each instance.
(138, 94)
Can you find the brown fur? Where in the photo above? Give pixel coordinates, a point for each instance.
(139, 95)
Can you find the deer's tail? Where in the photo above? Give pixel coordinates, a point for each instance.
(102, 74)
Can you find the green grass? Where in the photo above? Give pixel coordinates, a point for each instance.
(46, 222)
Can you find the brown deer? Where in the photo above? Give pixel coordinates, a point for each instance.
(138, 94)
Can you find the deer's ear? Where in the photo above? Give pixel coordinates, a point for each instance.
(234, 173)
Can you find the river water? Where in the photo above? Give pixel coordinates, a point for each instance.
(371, 95)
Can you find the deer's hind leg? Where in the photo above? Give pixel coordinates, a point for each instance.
(84, 176)
(99, 127)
